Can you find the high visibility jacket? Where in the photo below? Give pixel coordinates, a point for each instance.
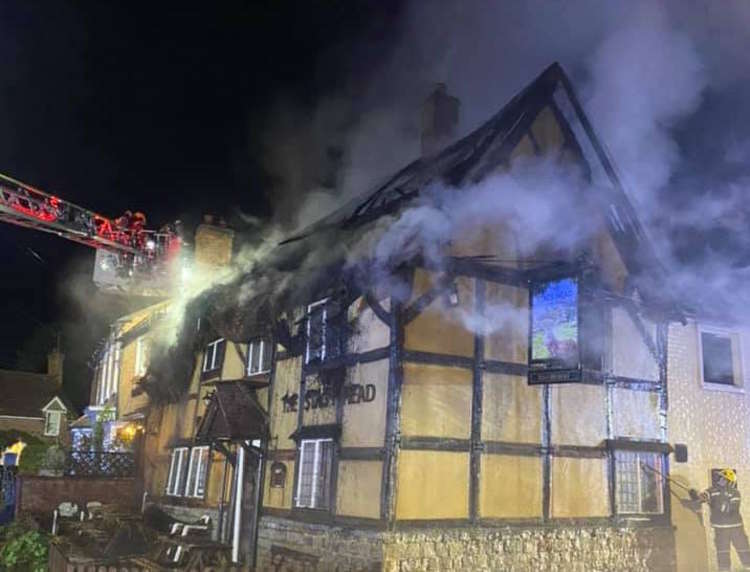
(725, 506)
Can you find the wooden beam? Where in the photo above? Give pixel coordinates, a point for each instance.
(382, 314)
(362, 454)
(420, 304)
(477, 395)
(424, 443)
(393, 410)
(346, 360)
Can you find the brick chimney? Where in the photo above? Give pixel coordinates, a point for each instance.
(214, 242)
(439, 120)
(55, 360)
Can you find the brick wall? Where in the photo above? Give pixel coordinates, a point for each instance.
(558, 549)
(44, 494)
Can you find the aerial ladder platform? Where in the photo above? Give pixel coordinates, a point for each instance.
(130, 259)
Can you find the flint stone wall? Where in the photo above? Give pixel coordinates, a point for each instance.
(290, 546)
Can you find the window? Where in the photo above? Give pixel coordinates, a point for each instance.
(258, 356)
(141, 356)
(638, 482)
(107, 372)
(52, 423)
(197, 472)
(214, 356)
(324, 330)
(177, 469)
(718, 358)
(313, 485)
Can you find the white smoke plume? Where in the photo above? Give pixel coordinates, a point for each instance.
(643, 70)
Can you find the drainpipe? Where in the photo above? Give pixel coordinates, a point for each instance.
(256, 509)
(240, 470)
(220, 532)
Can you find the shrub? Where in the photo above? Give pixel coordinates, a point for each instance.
(23, 548)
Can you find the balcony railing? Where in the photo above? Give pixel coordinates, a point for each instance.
(99, 464)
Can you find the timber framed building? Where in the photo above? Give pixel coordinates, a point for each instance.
(341, 419)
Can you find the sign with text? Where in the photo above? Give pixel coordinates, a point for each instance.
(352, 394)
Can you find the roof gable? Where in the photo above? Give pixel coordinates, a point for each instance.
(483, 152)
(233, 413)
(25, 394)
(55, 404)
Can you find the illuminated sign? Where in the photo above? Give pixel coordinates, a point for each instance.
(554, 344)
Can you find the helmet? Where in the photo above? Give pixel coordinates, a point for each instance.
(729, 475)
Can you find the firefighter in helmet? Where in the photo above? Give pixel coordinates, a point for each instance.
(723, 500)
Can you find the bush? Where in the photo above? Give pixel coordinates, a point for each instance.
(23, 548)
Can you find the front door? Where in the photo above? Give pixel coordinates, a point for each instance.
(249, 505)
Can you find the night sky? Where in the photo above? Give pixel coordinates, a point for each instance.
(251, 109)
(145, 107)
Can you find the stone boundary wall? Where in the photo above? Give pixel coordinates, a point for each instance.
(293, 546)
(565, 549)
(287, 545)
(43, 494)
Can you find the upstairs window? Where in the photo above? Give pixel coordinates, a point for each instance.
(52, 421)
(108, 371)
(213, 357)
(177, 469)
(258, 356)
(639, 485)
(718, 358)
(197, 472)
(324, 331)
(314, 479)
(141, 356)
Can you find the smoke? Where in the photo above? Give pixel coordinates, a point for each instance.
(649, 74)
(645, 72)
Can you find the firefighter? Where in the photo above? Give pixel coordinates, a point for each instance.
(723, 499)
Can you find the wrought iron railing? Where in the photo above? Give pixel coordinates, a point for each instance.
(99, 464)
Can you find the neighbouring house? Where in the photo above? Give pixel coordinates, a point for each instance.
(107, 438)
(35, 403)
(709, 409)
(461, 403)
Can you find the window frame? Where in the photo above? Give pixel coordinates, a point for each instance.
(735, 345)
(323, 326)
(176, 488)
(316, 474)
(141, 356)
(195, 491)
(265, 368)
(108, 371)
(661, 484)
(47, 417)
(217, 357)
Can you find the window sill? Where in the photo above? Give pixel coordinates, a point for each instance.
(720, 387)
(211, 374)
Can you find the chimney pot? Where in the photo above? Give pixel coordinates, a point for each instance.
(214, 242)
(55, 360)
(439, 120)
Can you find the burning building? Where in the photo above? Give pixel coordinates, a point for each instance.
(458, 370)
